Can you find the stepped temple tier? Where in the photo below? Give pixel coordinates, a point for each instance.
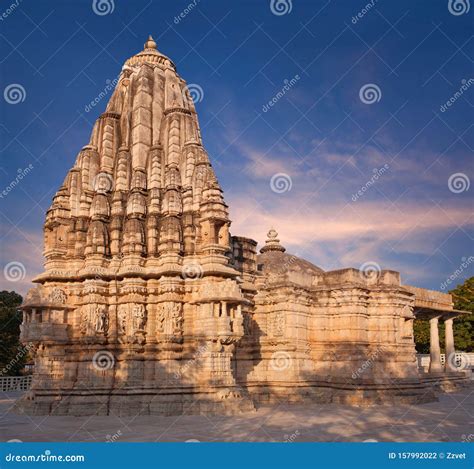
(148, 305)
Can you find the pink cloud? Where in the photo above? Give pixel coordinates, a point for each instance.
(22, 259)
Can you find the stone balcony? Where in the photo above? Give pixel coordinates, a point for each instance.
(44, 332)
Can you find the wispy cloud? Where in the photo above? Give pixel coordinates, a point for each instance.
(393, 223)
(22, 249)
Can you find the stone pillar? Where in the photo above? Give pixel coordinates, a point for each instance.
(435, 355)
(449, 345)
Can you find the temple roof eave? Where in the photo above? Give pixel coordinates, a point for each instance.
(422, 312)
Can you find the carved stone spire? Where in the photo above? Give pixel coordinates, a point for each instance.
(142, 181)
(139, 233)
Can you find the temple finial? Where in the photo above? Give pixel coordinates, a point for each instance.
(272, 243)
(150, 44)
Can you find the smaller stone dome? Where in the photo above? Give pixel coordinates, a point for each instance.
(274, 260)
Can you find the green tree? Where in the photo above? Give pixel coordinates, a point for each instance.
(463, 298)
(421, 333)
(12, 353)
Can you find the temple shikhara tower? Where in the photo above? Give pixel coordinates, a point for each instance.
(148, 305)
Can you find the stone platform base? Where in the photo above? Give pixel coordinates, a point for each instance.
(225, 401)
(397, 392)
(232, 401)
(447, 382)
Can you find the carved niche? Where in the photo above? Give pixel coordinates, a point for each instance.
(170, 320)
(57, 296)
(122, 319)
(279, 324)
(138, 318)
(94, 320)
(131, 322)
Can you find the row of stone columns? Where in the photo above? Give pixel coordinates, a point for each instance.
(435, 351)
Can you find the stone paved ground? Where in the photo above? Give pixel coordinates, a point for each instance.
(449, 419)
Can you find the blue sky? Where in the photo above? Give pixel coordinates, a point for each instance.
(319, 141)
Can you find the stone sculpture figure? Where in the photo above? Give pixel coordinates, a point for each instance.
(139, 317)
(122, 318)
(176, 318)
(58, 296)
(101, 319)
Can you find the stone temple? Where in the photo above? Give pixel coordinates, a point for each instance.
(148, 305)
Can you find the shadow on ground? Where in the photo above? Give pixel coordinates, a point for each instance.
(449, 419)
